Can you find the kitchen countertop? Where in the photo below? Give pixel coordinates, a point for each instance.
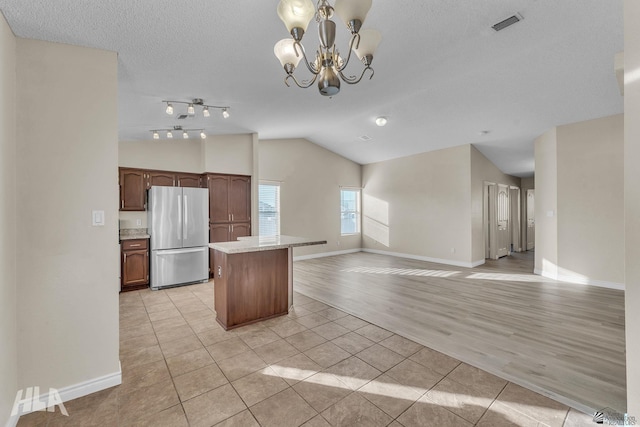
(256, 244)
(134, 233)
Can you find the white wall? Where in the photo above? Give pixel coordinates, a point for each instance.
(632, 201)
(591, 199)
(483, 170)
(231, 154)
(546, 204)
(310, 179)
(579, 202)
(420, 206)
(178, 155)
(67, 157)
(8, 299)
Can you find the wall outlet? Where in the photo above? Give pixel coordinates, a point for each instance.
(338, 243)
(138, 222)
(453, 250)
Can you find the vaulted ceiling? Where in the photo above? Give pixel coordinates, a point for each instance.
(443, 76)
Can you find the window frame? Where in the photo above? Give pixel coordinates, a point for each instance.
(357, 212)
(278, 212)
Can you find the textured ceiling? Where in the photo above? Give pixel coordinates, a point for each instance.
(442, 75)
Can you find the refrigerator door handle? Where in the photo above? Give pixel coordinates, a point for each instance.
(185, 222)
(181, 251)
(179, 229)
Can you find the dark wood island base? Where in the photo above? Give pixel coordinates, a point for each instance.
(253, 278)
(250, 287)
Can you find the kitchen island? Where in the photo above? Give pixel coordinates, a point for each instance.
(253, 278)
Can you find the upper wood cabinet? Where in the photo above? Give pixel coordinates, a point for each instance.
(240, 198)
(132, 189)
(161, 178)
(218, 186)
(134, 184)
(229, 198)
(188, 180)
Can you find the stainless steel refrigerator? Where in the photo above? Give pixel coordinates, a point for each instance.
(178, 222)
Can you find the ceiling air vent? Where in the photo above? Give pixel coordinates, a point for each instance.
(507, 22)
(365, 138)
(182, 116)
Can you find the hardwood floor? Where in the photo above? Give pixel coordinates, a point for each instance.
(562, 340)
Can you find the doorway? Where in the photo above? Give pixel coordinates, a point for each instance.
(531, 221)
(502, 220)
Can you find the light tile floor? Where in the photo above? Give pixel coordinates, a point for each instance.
(317, 366)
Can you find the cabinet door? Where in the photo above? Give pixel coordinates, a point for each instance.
(218, 198)
(135, 268)
(240, 198)
(162, 178)
(188, 180)
(219, 232)
(240, 230)
(132, 189)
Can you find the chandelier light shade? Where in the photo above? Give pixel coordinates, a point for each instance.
(296, 14)
(197, 102)
(328, 66)
(352, 12)
(369, 41)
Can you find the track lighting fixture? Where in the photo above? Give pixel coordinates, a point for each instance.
(191, 107)
(185, 132)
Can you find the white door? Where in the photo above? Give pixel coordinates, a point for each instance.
(490, 220)
(504, 230)
(531, 222)
(515, 219)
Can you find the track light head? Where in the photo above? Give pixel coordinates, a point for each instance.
(169, 134)
(225, 113)
(185, 135)
(205, 112)
(169, 109)
(203, 135)
(191, 110)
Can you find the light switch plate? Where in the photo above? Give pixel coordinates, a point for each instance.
(97, 218)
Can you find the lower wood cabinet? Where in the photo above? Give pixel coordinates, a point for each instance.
(134, 258)
(226, 232)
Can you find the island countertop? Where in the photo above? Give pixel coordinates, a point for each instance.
(264, 243)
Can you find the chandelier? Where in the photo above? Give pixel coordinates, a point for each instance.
(328, 66)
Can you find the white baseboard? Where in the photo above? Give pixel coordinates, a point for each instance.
(579, 280)
(71, 392)
(424, 258)
(326, 254)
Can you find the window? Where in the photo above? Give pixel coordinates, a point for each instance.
(349, 211)
(269, 209)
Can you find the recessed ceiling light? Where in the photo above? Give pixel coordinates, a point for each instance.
(381, 121)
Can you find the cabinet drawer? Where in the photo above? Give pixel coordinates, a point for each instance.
(135, 244)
